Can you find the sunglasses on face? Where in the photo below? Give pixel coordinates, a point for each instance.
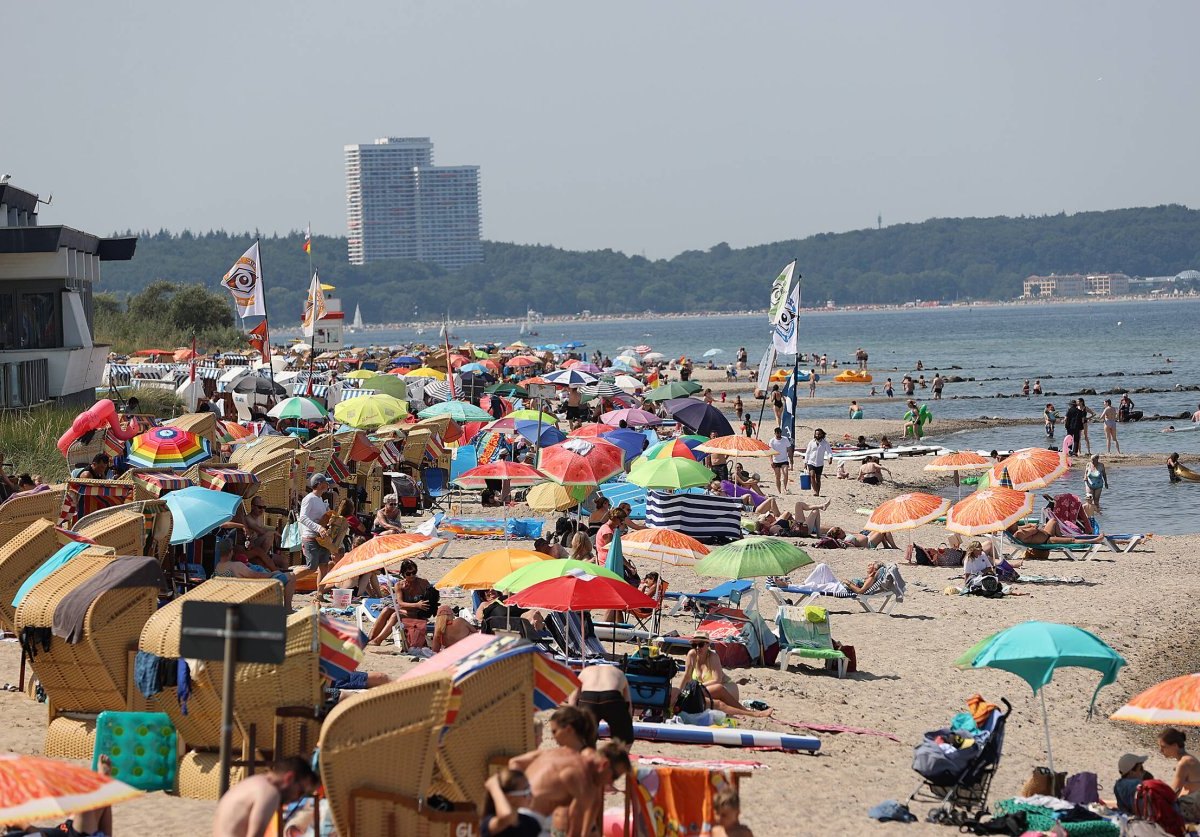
(409, 574)
(699, 644)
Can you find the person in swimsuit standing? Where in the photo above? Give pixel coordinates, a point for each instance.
(1109, 416)
(1088, 413)
(1095, 480)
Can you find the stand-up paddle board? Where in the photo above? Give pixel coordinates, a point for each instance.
(688, 734)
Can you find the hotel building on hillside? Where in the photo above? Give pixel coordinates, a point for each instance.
(1075, 284)
(399, 205)
(46, 278)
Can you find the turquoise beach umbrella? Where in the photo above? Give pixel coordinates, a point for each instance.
(615, 560)
(196, 511)
(1034, 650)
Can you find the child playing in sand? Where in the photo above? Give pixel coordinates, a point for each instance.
(728, 809)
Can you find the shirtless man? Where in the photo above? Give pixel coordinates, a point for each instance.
(247, 808)
(1186, 781)
(559, 777)
(448, 629)
(604, 691)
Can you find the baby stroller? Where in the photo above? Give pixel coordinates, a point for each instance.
(959, 780)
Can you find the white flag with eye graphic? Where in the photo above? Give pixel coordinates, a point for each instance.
(244, 281)
(779, 289)
(783, 338)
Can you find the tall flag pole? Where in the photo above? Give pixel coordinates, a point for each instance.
(245, 281)
(314, 310)
(785, 340)
(449, 370)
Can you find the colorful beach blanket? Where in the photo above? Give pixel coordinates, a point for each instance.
(674, 801)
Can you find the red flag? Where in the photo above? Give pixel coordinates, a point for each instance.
(258, 340)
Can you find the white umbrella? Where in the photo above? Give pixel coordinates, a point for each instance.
(714, 352)
(653, 357)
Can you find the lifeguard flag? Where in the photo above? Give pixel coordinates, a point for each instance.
(308, 239)
(244, 281)
(258, 340)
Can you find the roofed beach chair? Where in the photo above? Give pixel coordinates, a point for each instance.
(804, 632)
(87, 672)
(365, 741)
(261, 689)
(19, 510)
(20, 555)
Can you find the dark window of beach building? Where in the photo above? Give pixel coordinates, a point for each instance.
(31, 320)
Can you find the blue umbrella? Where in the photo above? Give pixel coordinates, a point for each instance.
(406, 360)
(573, 344)
(631, 442)
(196, 511)
(615, 560)
(473, 367)
(539, 433)
(569, 378)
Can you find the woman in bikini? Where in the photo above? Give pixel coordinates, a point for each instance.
(1109, 416)
(704, 666)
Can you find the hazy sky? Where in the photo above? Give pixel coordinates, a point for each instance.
(648, 127)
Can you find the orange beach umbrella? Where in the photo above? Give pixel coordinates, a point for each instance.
(36, 788)
(908, 511)
(378, 553)
(963, 460)
(1031, 468)
(665, 545)
(1175, 701)
(988, 510)
(736, 446)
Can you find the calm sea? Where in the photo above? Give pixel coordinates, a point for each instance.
(1069, 347)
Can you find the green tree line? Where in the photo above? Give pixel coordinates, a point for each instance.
(943, 259)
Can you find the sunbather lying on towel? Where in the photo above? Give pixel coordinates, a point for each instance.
(836, 538)
(803, 521)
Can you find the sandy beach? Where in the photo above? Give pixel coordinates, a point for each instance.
(905, 683)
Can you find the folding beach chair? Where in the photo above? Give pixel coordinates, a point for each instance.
(804, 632)
(436, 490)
(888, 590)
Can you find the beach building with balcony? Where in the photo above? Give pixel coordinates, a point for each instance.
(47, 273)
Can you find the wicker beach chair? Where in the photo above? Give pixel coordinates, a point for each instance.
(493, 720)
(201, 424)
(123, 528)
(20, 555)
(85, 497)
(20, 510)
(364, 742)
(261, 690)
(92, 675)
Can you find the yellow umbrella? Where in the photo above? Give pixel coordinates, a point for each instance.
(370, 411)
(482, 571)
(426, 372)
(360, 373)
(550, 496)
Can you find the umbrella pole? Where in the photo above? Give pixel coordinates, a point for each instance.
(1046, 727)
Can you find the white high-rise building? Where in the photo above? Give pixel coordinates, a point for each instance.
(401, 206)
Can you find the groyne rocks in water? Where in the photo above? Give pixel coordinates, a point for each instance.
(1085, 391)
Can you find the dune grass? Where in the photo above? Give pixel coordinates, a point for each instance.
(28, 437)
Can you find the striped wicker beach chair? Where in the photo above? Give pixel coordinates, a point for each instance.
(377, 755)
(493, 721)
(85, 678)
(261, 690)
(20, 510)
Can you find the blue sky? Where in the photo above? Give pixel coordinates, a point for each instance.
(645, 127)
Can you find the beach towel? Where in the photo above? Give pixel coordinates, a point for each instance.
(674, 800)
(822, 580)
(981, 710)
(122, 573)
(51, 564)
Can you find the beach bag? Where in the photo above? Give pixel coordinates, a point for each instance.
(290, 539)
(951, 557)
(692, 698)
(938, 765)
(1044, 783)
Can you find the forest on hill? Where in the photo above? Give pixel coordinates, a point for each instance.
(943, 259)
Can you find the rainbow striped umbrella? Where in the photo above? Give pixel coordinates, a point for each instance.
(167, 447)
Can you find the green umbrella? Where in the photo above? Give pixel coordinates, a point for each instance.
(298, 409)
(457, 410)
(674, 472)
(389, 385)
(673, 389)
(540, 571)
(1033, 650)
(752, 557)
(508, 390)
(532, 415)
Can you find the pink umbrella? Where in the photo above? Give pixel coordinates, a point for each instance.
(631, 417)
(590, 368)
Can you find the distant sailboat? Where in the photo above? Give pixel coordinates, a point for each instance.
(527, 326)
(358, 323)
